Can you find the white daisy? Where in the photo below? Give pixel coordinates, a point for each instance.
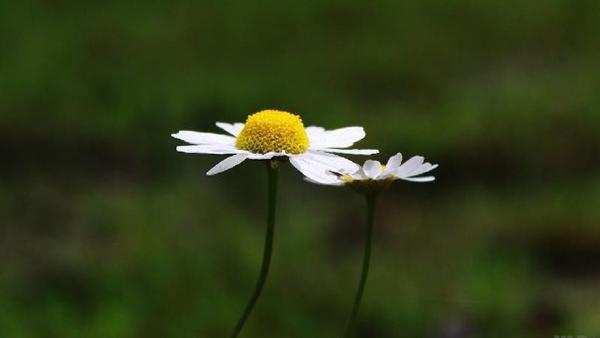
(375, 176)
(272, 133)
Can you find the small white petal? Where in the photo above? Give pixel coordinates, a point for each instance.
(314, 134)
(426, 167)
(331, 161)
(394, 161)
(195, 137)
(334, 181)
(419, 179)
(337, 138)
(351, 151)
(360, 175)
(372, 169)
(313, 130)
(232, 128)
(409, 166)
(392, 164)
(227, 164)
(209, 149)
(313, 170)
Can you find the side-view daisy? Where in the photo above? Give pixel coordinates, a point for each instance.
(273, 133)
(375, 176)
(370, 180)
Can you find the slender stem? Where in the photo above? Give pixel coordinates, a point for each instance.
(371, 203)
(272, 170)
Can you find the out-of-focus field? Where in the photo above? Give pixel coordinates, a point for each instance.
(107, 232)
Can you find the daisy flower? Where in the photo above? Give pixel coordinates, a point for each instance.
(370, 179)
(376, 176)
(272, 133)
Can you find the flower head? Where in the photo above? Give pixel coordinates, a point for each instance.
(374, 176)
(273, 133)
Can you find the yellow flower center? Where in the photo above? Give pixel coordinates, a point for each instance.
(273, 130)
(347, 178)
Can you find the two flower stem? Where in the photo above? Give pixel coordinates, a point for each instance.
(272, 171)
(371, 204)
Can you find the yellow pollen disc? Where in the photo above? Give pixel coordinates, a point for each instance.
(273, 130)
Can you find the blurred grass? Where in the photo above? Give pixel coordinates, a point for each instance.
(108, 232)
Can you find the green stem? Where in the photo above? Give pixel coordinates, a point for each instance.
(272, 170)
(371, 203)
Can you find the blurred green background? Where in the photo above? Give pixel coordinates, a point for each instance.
(108, 232)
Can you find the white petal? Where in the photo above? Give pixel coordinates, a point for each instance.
(419, 179)
(195, 137)
(314, 134)
(360, 175)
(337, 138)
(392, 164)
(423, 169)
(314, 171)
(232, 128)
(334, 181)
(394, 161)
(372, 169)
(209, 149)
(409, 166)
(332, 162)
(351, 151)
(227, 164)
(313, 130)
